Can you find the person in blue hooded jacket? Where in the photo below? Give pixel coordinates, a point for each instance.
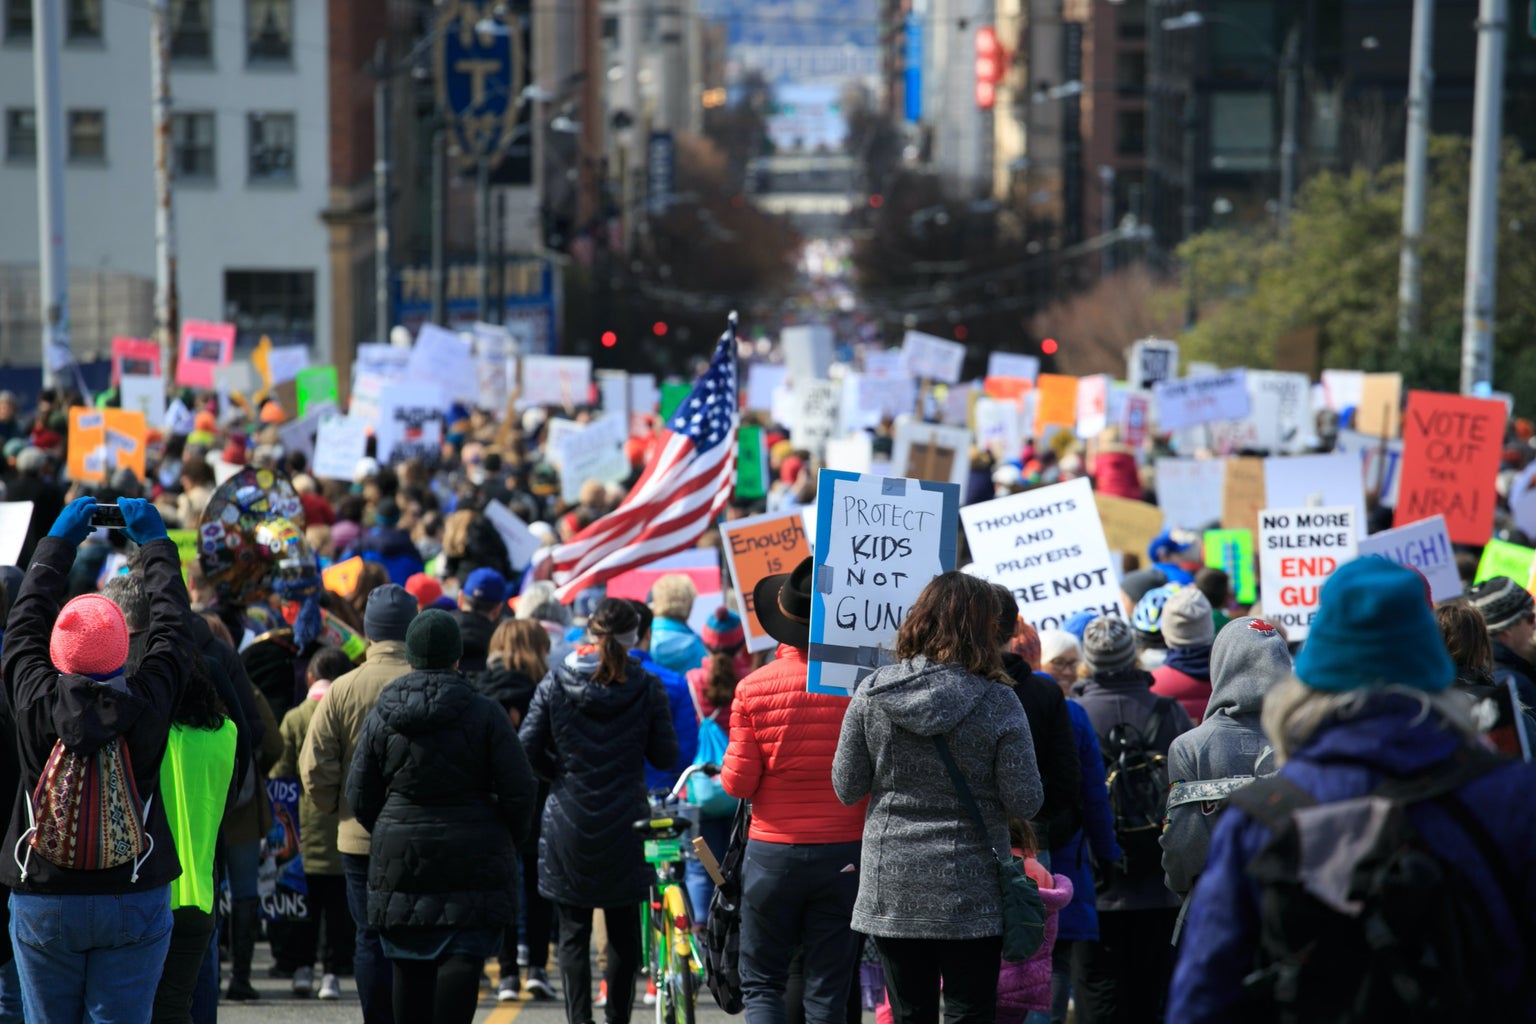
(1369, 703)
(685, 720)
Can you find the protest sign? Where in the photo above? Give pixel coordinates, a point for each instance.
(817, 404)
(1501, 558)
(957, 403)
(136, 356)
(1012, 364)
(1055, 403)
(341, 578)
(1242, 494)
(235, 379)
(762, 378)
(284, 362)
(1189, 491)
(1277, 420)
(879, 541)
(1451, 451)
(1009, 389)
(315, 387)
(930, 358)
(557, 380)
(1231, 551)
(15, 519)
(125, 436)
(931, 451)
(1134, 416)
(1092, 405)
(1048, 547)
(387, 362)
(751, 463)
(1152, 360)
(300, 435)
(997, 427)
(204, 346)
(339, 445)
(1299, 548)
(495, 377)
(186, 547)
(591, 453)
(643, 396)
(1315, 480)
(885, 396)
(636, 584)
(1425, 546)
(410, 422)
(143, 394)
(885, 362)
(1379, 413)
(759, 546)
(613, 393)
(1343, 389)
(447, 359)
(1192, 401)
(1381, 463)
(852, 454)
(1128, 525)
(515, 535)
(673, 393)
(807, 351)
(284, 893)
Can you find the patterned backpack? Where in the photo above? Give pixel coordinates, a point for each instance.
(85, 813)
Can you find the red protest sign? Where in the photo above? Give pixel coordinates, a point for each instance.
(134, 355)
(1451, 449)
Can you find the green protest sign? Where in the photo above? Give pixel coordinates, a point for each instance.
(1231, 551)
(672, 396)
(1501, 558)
(751, 464)
(315, 385)
(186, 547)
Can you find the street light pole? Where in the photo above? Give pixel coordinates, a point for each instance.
(48, 124)
(1415, 171)
(381, 172)
(167, 312)
(1483, 209)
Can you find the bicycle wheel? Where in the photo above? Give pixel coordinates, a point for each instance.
(685, 985)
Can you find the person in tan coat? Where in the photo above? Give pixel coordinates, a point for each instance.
(325, 760)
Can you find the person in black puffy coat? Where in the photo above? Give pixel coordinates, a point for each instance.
(594, 722)
(442, 785)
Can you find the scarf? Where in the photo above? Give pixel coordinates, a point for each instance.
(1192, 661)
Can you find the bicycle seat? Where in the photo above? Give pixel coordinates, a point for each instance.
(663, 828)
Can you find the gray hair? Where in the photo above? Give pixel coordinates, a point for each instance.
(1293, 711)
(126, 590)
(31, 460)
(538, 603)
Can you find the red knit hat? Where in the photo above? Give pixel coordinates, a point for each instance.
(723, 631)
(90, 637)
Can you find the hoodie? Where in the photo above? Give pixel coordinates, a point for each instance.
(916, 821)
(1225, 751)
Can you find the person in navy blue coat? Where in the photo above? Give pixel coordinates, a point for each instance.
(1369, 703)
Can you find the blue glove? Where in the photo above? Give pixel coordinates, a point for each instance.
(143, 520)
(74, 523)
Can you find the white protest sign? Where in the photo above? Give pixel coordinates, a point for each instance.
(879, 541)
(179, 418)
(1343, 389)
(557, 380)
(222, 470)
(494, 377)
(1152, 360)
(926, 356)
(613, 392)
(366, 390)
(1380, 462)
(15, 518)
(300, 435)
(957, 404)
(817, 404)
(886, 396)
(644, 396)
(1047, 546)
(1011, 364)
(514, 533)
(386, 362)
(1424, 545)
(589, 454)
(1191, 401)
(235, 379)
(1092, 405)
(339, 444)
(446, 359)
(807, 351)
(931, 451)
(762, 379)
(885, 362)
(851, 454)
(410, 422)
(285, 361)
(1299, 548)
(1189, 491)
(556, 430)
(1315, 480)
(142, 393)
(1278, 411)
(784, 405)
(997, 428)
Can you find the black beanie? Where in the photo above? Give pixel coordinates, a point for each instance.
(433, 641)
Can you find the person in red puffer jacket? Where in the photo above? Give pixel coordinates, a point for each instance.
(1189, 629)
(801, 872)
(1114, 469)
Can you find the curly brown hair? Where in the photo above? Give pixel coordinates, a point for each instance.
(954, 621)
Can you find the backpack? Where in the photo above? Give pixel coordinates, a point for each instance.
(722, 931)
(705, 791)
(1136, 776)
(85, 813)
(1360, 917)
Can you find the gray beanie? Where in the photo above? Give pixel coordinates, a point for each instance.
(1502, 601)
(1248, 657)
(1187, 620)
(389, 613)
(1108, 645)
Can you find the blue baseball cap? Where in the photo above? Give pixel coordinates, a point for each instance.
(486, 585)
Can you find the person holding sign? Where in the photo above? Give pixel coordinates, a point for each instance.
(946, 702)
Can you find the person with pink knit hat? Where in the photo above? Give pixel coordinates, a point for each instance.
(90, 895)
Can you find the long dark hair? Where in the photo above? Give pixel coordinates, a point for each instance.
(613, 620)
(200, 706)
(954, 621)
(720, 686)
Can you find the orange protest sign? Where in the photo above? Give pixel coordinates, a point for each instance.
(1057, 404)
(1008, 388)
(761, 546)
(341, 578)
(125, 436)
(87, 439)
(1451, 451)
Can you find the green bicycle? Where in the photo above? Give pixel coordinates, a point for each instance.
(673, 959)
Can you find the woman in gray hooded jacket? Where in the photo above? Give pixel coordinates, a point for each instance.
(928, 890)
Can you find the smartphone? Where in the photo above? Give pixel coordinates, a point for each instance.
(109, 516)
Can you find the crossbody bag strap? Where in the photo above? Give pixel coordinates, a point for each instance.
(964, 790)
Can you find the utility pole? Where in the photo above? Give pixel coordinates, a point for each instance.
(1290, 110)
(1483, 209)
(381, 187)
(439, 183)
(167, 311)
(483, 234)
(1415, 171)
(590, 146)
(53, 257)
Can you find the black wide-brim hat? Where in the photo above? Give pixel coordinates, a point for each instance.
(783, 604)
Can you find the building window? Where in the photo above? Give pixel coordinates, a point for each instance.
(272, 147)
(21, 134)
(82, 21)
(1242, 131)
(277, 303)
(1131, 19)
(87, 136)
(191, 30)
(269, 31)
(1130, 132)
(192, 145)
(18, 21)
(1131, 72)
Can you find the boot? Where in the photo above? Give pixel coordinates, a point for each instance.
(244, 926)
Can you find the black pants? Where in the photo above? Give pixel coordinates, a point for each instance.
(794, 994)
(329, 934)
(441, 991)
(576, 961)
(538, 921)
(966, 969)
(191, 930)
(1123, 977)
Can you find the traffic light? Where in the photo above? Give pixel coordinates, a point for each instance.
(609, 339)
(991, 66)
(876, 200)
(962, 332)
(659, 328)
(1049, 346)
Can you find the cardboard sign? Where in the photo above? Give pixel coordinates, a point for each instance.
(931, 451)
(204, 347)
(136, 356)
(762, 378)
(1425, 546)
(807, 351)
(817, 405)
(1011, 364)
(520, 543)
(445, 358)
(1379, 413)
(1152, 360)
(1315, 480)
(410, 422)
(1451, 451)
(1128, 525)
(1048, 547)
(15, 519)
(1231, 551)
(125, 436)
(341, 578)
(1055, 403)
(1092, 405)
(1299, 548)
(756, 547)
(997, 427)
(236, 379)
(144, 395)
(1381, 463)
(285, 362)
(315, 387)
(557, 380)
(1192, 401)
(879, 541)
(930, 358)
(1278, 412)
(340, 443)
(87, 449)
(1242, 494)
(1501, 558)
(751, 463)
(1190, 492)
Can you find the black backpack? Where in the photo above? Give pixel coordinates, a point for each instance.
(722, 932)
(1378, 926)
(1136, 776)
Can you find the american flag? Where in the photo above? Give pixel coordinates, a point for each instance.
(680, 493)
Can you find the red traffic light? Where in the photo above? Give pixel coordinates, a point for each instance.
(1048, 346)
(659, 328)
(962, 332)
(609, 339)
(991, 66)
(876, 201)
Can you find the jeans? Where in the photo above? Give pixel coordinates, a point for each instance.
(1123, 977)
(10, 994)
(87, 957)
(966, 968)
(717, 833)
(798, 897)
(242, 860)
(623, 925)
(371, 969)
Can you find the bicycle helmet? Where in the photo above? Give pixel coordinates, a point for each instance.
(1147, 619)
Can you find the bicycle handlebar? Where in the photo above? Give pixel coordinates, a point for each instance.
(707, 767)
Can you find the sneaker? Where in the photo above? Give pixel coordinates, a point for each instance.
(602, 994)
(650, 992)
(240, 991)
(507, 991)
(303, 981)
(539, 987)
(522, 956)
(330, 987)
